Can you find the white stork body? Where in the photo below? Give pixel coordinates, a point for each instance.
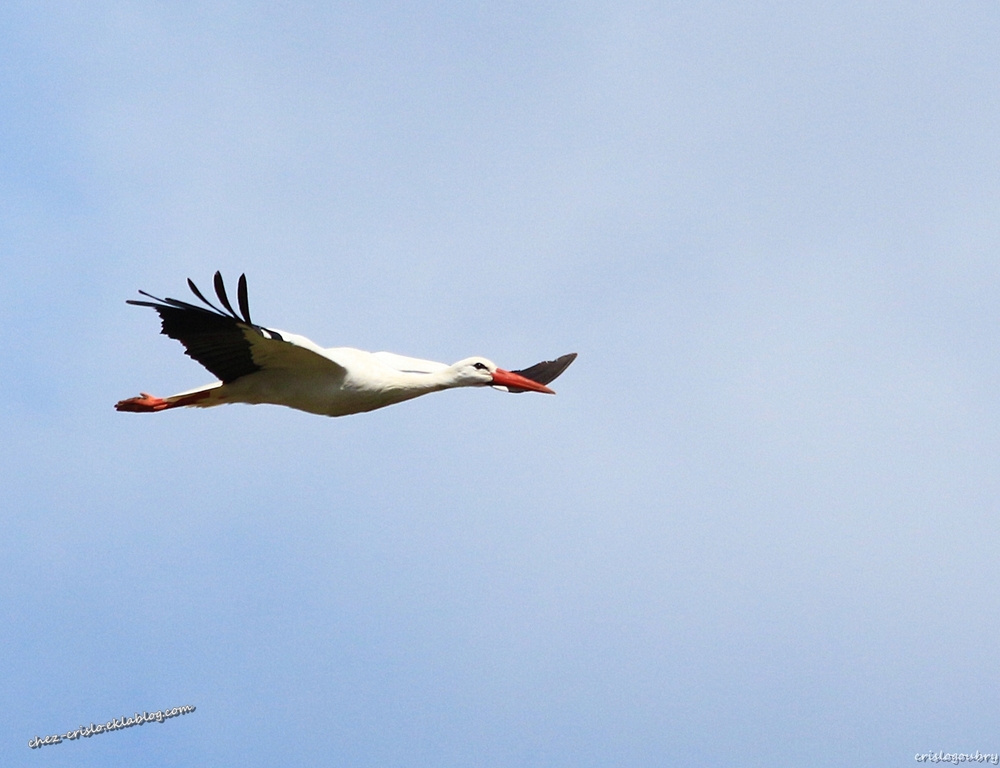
(257, 365)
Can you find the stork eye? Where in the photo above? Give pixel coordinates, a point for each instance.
(480, 366)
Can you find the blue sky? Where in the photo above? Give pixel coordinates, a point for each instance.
(757, 526)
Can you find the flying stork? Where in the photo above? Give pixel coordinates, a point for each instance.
(256, 365)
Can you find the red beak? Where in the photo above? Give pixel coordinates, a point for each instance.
(504, 378)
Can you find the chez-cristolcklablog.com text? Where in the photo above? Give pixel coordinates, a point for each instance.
(87, 731)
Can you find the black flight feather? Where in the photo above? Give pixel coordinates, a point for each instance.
(545, 372)
(241, 294)
(220, 291)
(210, 336)
(200, 295)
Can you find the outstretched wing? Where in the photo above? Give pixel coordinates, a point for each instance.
(545, 372)
(227, 344)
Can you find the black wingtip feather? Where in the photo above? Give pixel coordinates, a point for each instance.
(220, 291)
(200, 295)
(241, 295)
(546, 371)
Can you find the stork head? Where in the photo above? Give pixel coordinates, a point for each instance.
(480, 372)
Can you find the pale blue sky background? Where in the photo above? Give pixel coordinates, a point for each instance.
(759, 524)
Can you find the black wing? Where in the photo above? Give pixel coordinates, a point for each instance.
(546, 371)
(216, 339)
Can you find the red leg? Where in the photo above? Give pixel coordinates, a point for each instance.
(145, 403)
(194, 397)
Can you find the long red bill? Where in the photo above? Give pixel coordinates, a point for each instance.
(504, 378)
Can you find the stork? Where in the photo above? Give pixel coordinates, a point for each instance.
(258, 365)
